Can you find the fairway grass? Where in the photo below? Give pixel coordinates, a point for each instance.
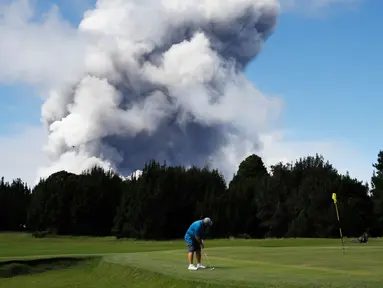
(270, 267)
(289, 263)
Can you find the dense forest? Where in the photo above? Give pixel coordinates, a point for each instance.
(289, 200)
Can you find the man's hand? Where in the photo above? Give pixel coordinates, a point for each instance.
(200, 241)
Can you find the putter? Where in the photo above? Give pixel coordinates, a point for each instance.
(211, 267)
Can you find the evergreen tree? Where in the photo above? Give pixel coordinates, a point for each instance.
(14, 200)
(377, 195)
(292, 200)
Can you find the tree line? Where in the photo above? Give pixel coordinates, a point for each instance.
(289, 200)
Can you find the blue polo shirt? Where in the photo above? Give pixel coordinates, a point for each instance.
(195, 229)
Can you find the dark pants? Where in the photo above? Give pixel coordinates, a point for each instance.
(194, 246)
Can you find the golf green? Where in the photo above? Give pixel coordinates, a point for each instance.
(263, 263)
(269, 267)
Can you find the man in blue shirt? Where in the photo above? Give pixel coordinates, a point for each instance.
(193, 240)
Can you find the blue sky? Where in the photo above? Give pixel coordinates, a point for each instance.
(327, 70)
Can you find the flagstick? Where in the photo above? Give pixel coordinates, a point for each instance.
(340, 228)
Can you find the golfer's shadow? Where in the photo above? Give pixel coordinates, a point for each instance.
(219, 267)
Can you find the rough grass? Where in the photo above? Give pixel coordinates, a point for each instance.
(13, 268)
(289, 263)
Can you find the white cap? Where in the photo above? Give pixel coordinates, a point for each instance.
(207, 221)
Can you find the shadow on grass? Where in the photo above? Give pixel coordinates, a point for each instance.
(220, 267)
(14, 268)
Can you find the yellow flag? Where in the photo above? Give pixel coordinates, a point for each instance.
(334, 197)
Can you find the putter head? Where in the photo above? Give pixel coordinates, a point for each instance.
(212, 268)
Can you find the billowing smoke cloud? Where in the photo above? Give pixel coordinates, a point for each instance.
(163, 79)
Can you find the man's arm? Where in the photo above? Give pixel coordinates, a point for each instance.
(198, 237)
(199, 240)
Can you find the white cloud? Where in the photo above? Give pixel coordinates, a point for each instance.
(34, 52)
(21, 153)
(280, 146)
(342, 155)
(43, 52)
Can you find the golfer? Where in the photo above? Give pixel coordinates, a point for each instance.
(193, 238)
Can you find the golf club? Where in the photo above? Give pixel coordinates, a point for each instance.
(204, 253)
(211, 267)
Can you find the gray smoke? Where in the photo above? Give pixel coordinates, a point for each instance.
(162, 79)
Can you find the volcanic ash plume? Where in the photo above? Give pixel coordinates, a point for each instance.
(163, 80)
